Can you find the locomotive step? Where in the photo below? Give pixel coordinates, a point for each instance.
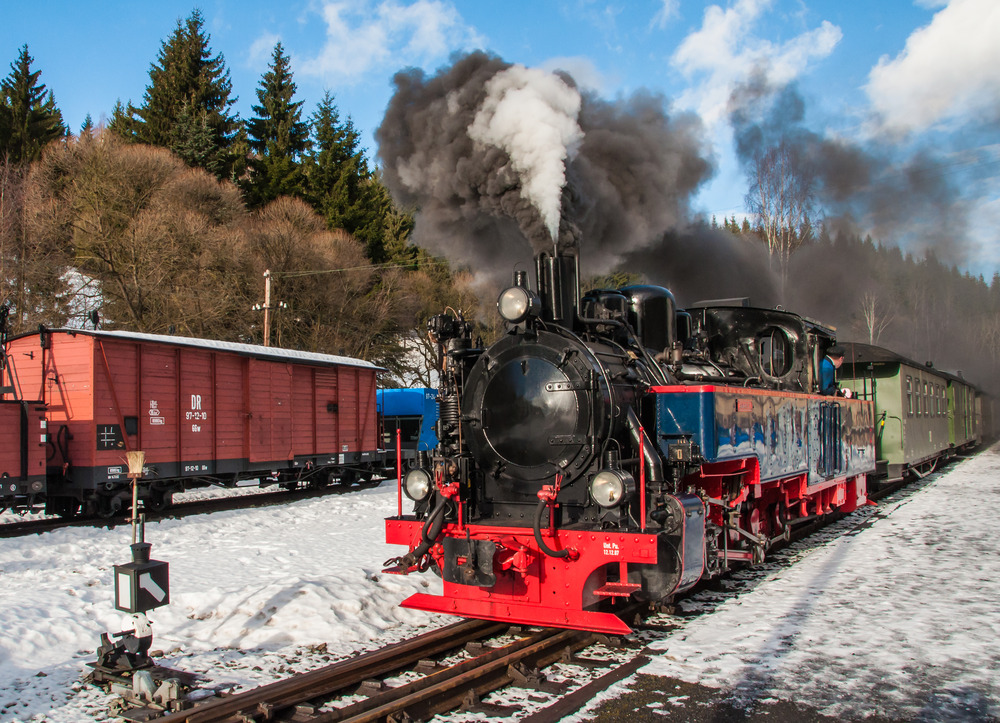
(617, 589)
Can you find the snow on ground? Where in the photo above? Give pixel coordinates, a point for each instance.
(891, 611)
(900, 616)
(253, 594)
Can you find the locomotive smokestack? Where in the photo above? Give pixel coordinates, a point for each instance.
(558, 286)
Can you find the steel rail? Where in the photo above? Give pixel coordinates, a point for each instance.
(266, 700)
(446, 690)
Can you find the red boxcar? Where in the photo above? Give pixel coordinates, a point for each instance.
(202, 411)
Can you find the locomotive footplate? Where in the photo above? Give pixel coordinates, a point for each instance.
(469, 562)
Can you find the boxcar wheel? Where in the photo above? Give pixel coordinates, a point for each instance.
(159, 500)
(107, 506)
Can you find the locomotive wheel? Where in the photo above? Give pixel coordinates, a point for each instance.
(779, 519)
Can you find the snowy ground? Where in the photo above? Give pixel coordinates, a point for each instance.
(892, 612)
(898, 617)
(254, 594)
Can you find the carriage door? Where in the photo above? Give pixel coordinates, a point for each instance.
(831, 441)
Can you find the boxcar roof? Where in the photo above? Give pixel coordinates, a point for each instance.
(262, 352)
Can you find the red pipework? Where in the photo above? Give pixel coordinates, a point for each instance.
(399, 471)
(742, 496)
(548, 493)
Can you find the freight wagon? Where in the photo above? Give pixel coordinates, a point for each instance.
(203, 412)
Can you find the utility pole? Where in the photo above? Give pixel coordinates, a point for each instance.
(267, 307)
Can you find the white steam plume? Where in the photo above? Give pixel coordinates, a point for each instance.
(532, 115)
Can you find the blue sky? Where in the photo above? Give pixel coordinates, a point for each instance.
(900, 73)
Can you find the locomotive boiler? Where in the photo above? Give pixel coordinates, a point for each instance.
(612, 446)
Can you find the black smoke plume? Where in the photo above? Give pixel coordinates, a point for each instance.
(629, 175)
(905, 196)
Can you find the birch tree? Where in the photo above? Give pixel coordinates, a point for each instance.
(780, 197)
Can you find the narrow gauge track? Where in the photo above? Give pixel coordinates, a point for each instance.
(180, 509)
(436, 689)
(304, 697)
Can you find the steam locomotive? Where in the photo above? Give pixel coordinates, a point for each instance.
(611, 446)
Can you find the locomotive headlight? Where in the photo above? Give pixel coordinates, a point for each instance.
(417, 484)
(517, 304)
(610, 488)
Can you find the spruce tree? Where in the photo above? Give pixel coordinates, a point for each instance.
(193, 139)
(340, 185)
(31, 118)
(277, 135)
(188, 95)
(121, 123)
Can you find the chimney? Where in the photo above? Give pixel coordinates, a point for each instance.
(558, 286)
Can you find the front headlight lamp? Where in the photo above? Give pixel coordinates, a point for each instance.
(517, 304)
(417, 484)
(610, 488)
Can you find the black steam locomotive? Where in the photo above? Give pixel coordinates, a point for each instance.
(610, 445)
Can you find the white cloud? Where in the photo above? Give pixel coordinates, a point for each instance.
(363, 36)
(949, 70)
(261, 49)
(725, 50)
(669, 9)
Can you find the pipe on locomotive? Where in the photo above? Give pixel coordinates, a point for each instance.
(542, 505)
(428, 534)
(651, 457)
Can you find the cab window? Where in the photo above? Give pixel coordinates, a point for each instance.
(775, 353)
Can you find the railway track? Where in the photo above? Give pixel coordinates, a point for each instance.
(516, 657)
(180, 509)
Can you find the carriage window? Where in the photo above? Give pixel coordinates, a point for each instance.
(926, 394)
(909, 396)
(775, 353)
